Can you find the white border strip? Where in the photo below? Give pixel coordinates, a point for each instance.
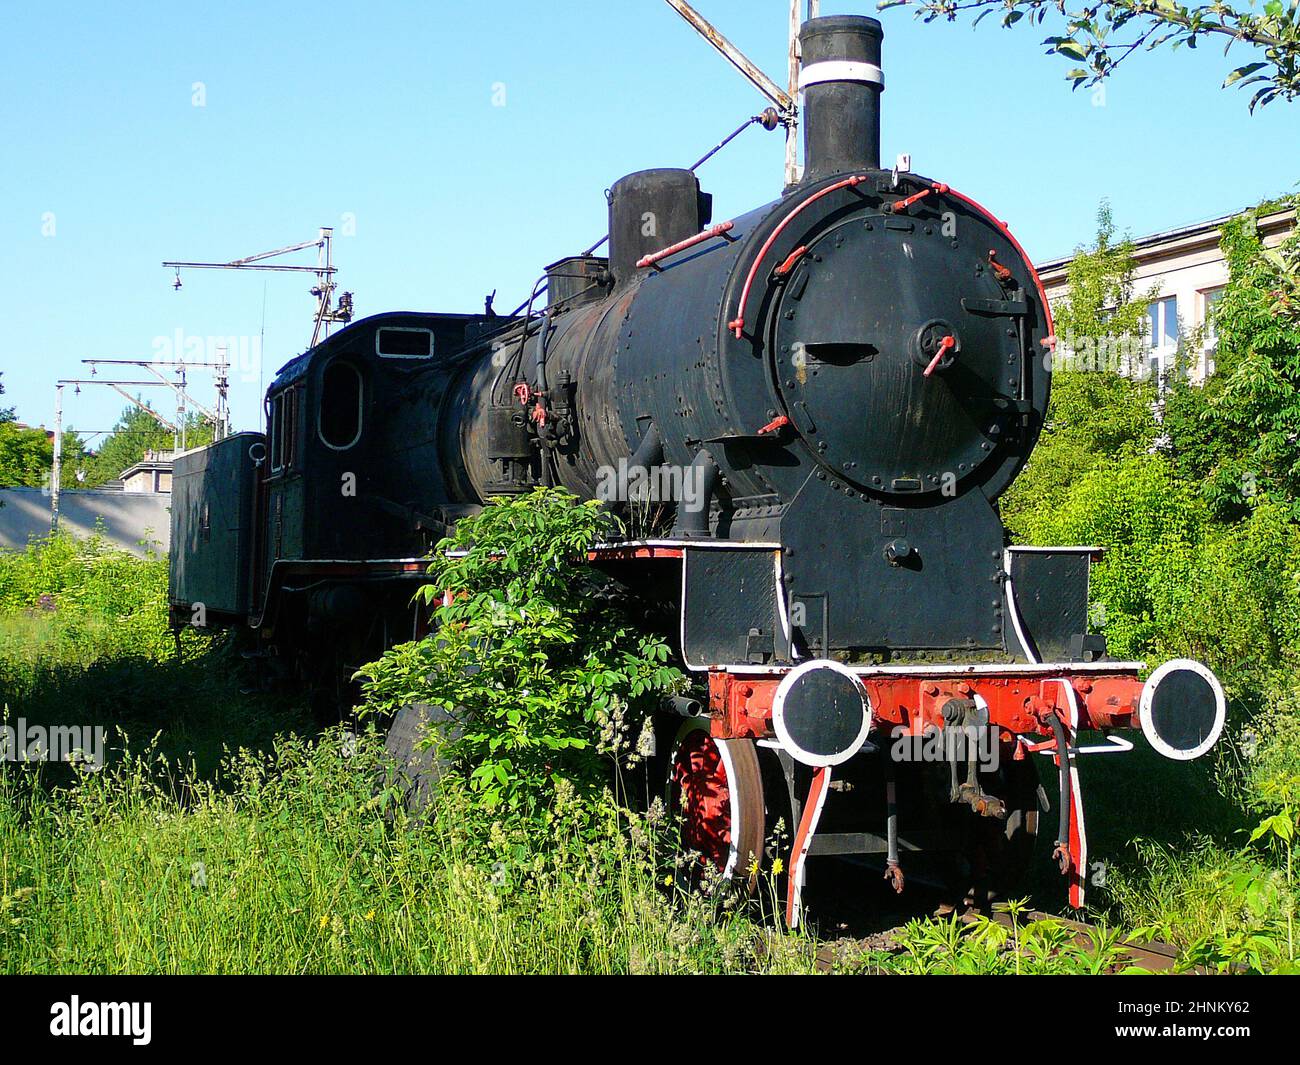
(799, 861)
(781, 608)
(961, 669)
(1013, 609)
(840, 70)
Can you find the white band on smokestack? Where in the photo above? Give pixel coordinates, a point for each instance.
(840, 70)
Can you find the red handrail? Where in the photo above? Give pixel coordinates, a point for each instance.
(737, 324)
(682, 245)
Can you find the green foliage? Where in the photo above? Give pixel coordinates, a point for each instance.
(1094, 420)
(1101, 313)
(1198, 520)
(1173, 583)
(233, 842)
(1104, 35)
(1270, 747)
(1012, 947)
(1239, 435)
(6, 413)
(1182, 574)
(90, 592)
(1097, 413)
(84, 625)
(539, 670)
(1263, 939)
(26, 456)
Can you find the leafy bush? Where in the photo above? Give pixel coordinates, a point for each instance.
(985, 946)
(90, 591)
(1238, 436)
(530, 655)
(1173, 582)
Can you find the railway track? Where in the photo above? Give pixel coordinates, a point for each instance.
(1155, 956)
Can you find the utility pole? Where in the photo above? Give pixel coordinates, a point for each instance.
(118, 386)
(57, 471)
(324, 270)
(786, 100)
(222, 382)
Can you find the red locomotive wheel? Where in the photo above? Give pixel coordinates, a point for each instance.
(715, 788)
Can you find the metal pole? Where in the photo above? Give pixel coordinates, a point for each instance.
(223, 402)
(181, 413)
(734, 55)
(57, 472)
(792, 117)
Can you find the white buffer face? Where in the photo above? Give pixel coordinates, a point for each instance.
(821, 713)
(1182, 709)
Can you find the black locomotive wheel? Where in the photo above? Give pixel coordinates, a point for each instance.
(418, 767)
(715, 790)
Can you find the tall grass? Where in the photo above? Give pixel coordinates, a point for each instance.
(228, 834)
(84, 640)
(299, 861)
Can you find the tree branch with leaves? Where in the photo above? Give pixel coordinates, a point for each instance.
(1102, 36)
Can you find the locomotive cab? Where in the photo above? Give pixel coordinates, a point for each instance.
(352, 470)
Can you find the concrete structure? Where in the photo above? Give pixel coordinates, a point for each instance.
(125, 518)
(152, 474)
(1185, 272)
(132, 511)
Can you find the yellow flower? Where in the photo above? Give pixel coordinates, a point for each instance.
(668, 880)
(777, 867)
(370, 916)
(324, 920)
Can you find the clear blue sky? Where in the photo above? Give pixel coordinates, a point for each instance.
(385, 111)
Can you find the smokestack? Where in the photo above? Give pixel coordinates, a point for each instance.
(841, 82)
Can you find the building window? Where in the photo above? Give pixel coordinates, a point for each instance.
(1162, 339)
(1163, 314)
(340, 406)
(1209, 298)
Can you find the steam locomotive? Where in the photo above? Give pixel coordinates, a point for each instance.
(845, 379)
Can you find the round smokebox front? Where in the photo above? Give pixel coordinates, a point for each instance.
(863, 316)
